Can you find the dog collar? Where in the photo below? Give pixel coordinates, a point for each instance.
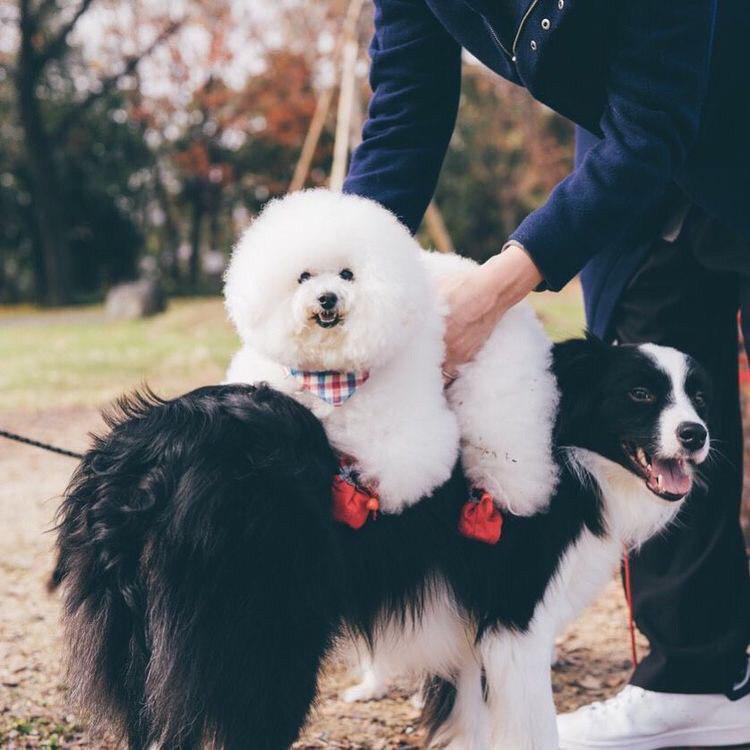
(329, 385)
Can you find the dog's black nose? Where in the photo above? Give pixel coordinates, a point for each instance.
(328, 300)
(692, 435)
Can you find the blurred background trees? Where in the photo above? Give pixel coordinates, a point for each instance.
(140, 137)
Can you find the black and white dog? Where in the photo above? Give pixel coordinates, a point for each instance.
(206, 579)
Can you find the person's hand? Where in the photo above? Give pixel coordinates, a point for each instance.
(478, 298)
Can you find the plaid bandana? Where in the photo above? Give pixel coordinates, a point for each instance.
(333, 387)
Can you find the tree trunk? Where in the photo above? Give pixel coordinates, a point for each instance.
(196, 231)
(171, 229)
(45, 184)
(214, 221)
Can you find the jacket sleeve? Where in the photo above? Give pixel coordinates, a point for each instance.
(657, 83)
(416, 79)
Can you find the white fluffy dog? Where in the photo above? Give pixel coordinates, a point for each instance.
(329, 296)
(326, 282)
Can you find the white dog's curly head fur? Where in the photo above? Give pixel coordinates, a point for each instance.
(326, 281)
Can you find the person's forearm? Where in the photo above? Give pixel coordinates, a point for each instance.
(416, 81)
(512, 275)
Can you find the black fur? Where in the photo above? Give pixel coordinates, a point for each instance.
(205, 579)
(202, 580)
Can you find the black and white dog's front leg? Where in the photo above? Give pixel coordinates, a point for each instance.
(519, 689)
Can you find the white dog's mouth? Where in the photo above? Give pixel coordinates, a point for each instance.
(327, 318)
(668, 478)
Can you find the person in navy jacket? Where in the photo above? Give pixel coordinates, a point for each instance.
(656, 217)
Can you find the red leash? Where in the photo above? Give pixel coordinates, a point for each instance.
(631, 618)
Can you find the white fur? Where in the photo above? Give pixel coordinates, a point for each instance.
(437, 641)
(675, 364)
(397, 426)
(506, 402)
(375, 679)
(441, 642)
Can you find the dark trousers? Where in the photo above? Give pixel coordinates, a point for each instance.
(691, 585)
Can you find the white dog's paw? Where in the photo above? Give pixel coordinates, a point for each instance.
(367, 690)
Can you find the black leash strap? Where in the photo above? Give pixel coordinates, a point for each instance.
(37, 444)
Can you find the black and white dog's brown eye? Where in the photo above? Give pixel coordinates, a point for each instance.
(642, 395)
(699, 398)
(346, 274)
(303, 277)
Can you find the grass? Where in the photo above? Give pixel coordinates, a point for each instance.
(561, 312)
(79, 358)
(76, 357)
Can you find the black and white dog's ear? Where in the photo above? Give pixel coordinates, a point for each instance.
(578, 365)
(579, 359)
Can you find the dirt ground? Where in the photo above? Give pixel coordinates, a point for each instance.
(593, 656)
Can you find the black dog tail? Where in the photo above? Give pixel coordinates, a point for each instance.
(202, 583)
(102, 524)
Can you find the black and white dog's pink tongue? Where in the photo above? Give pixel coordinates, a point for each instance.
(675, 478)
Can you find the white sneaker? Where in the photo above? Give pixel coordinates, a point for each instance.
(637, 719)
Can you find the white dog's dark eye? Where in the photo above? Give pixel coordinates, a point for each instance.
(700, 398)
(642, 395)
(346, 274)
(303, 277)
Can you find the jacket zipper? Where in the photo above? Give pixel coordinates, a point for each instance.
(519, 31)
(496, 39)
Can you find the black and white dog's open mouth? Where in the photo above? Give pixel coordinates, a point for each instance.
(669, 478)
(327, 318)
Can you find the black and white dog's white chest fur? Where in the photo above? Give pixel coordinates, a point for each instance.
(206, 579)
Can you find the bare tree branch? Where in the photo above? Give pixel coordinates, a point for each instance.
(25, 10)
(29, 65)
(55, 46)
(110, 82)
(45, 8)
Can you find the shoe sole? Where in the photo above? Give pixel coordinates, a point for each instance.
(703, 737)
